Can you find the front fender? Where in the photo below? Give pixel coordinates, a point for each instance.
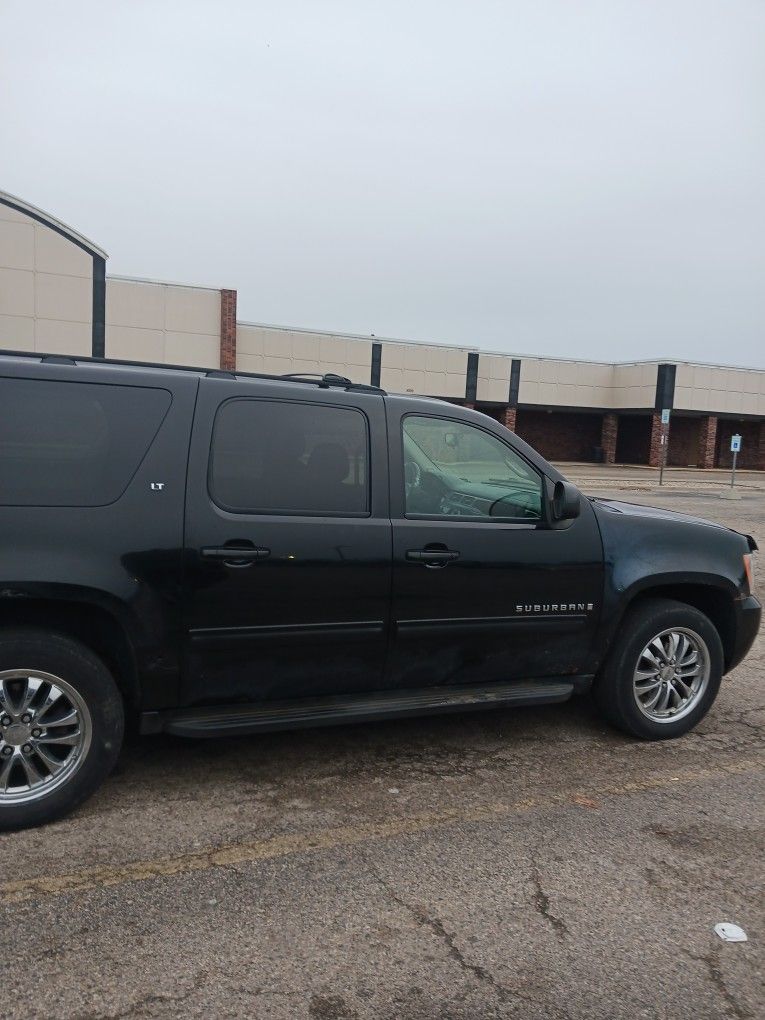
(673, 557)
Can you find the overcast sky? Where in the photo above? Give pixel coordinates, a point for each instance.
(551, 176)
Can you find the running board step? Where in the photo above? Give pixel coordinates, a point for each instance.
(352, 708)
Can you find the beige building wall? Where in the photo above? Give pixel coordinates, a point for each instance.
(716, 388)
(494, 377)
(562, 383)
(162, 322)
(634, 385)
(46, 288)
(406, 368)
(424, 368)
(552, 382)
(280, 351)
(440, 371)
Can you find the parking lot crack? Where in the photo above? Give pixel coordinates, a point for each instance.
(542, 905)
(712, 963)
(741, 719)
(434, 924)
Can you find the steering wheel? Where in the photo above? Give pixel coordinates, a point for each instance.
(526, 511)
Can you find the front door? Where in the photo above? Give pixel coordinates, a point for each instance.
(485, 587)
(288, 542)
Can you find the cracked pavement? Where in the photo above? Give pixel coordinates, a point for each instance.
(528, 863)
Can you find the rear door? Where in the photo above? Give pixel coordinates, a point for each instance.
(485, 587)
(288, 542)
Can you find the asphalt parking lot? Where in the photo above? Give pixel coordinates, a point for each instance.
(509, 864)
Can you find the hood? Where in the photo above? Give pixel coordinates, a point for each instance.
(616, 506)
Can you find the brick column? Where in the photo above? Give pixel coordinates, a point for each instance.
(707, 441)
(508, 418)
(608, 432)
(228, 330)
(761, 448)
(654, 455)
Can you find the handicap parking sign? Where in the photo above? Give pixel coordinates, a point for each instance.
(735, 444)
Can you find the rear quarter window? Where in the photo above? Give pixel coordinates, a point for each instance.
(72, 443)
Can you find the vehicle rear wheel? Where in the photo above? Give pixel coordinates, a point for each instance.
(664, 671)
(61, 726)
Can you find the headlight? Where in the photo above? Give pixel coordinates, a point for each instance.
(749, 571)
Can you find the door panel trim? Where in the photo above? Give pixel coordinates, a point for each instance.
(209, 637)
(559, 621)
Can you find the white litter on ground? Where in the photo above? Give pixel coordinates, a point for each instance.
(729, 932)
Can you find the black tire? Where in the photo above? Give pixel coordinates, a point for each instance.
(33, 651)
(613, 691)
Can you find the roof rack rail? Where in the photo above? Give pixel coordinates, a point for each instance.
(327, 379)
(58, 359)
(324, 379)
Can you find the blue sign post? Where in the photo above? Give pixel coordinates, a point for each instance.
(663, 457)
(735, 446)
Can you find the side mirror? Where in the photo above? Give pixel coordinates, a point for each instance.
(565, 502)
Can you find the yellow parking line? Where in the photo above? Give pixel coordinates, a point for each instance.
(328, 839)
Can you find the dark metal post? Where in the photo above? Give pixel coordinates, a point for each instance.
(98, 336)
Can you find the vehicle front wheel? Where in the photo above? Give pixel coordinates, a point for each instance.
(664, 671)
(61, 726)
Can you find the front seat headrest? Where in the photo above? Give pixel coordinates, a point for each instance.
(329, 461)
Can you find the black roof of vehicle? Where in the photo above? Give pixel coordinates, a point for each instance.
(323, 381)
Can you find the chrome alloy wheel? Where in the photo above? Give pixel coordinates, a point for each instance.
(672, 674)
(45, 734)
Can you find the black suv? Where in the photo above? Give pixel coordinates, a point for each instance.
(214, 553)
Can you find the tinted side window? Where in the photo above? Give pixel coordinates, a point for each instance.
(73, 444)
(453, 469)
(270, 456)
